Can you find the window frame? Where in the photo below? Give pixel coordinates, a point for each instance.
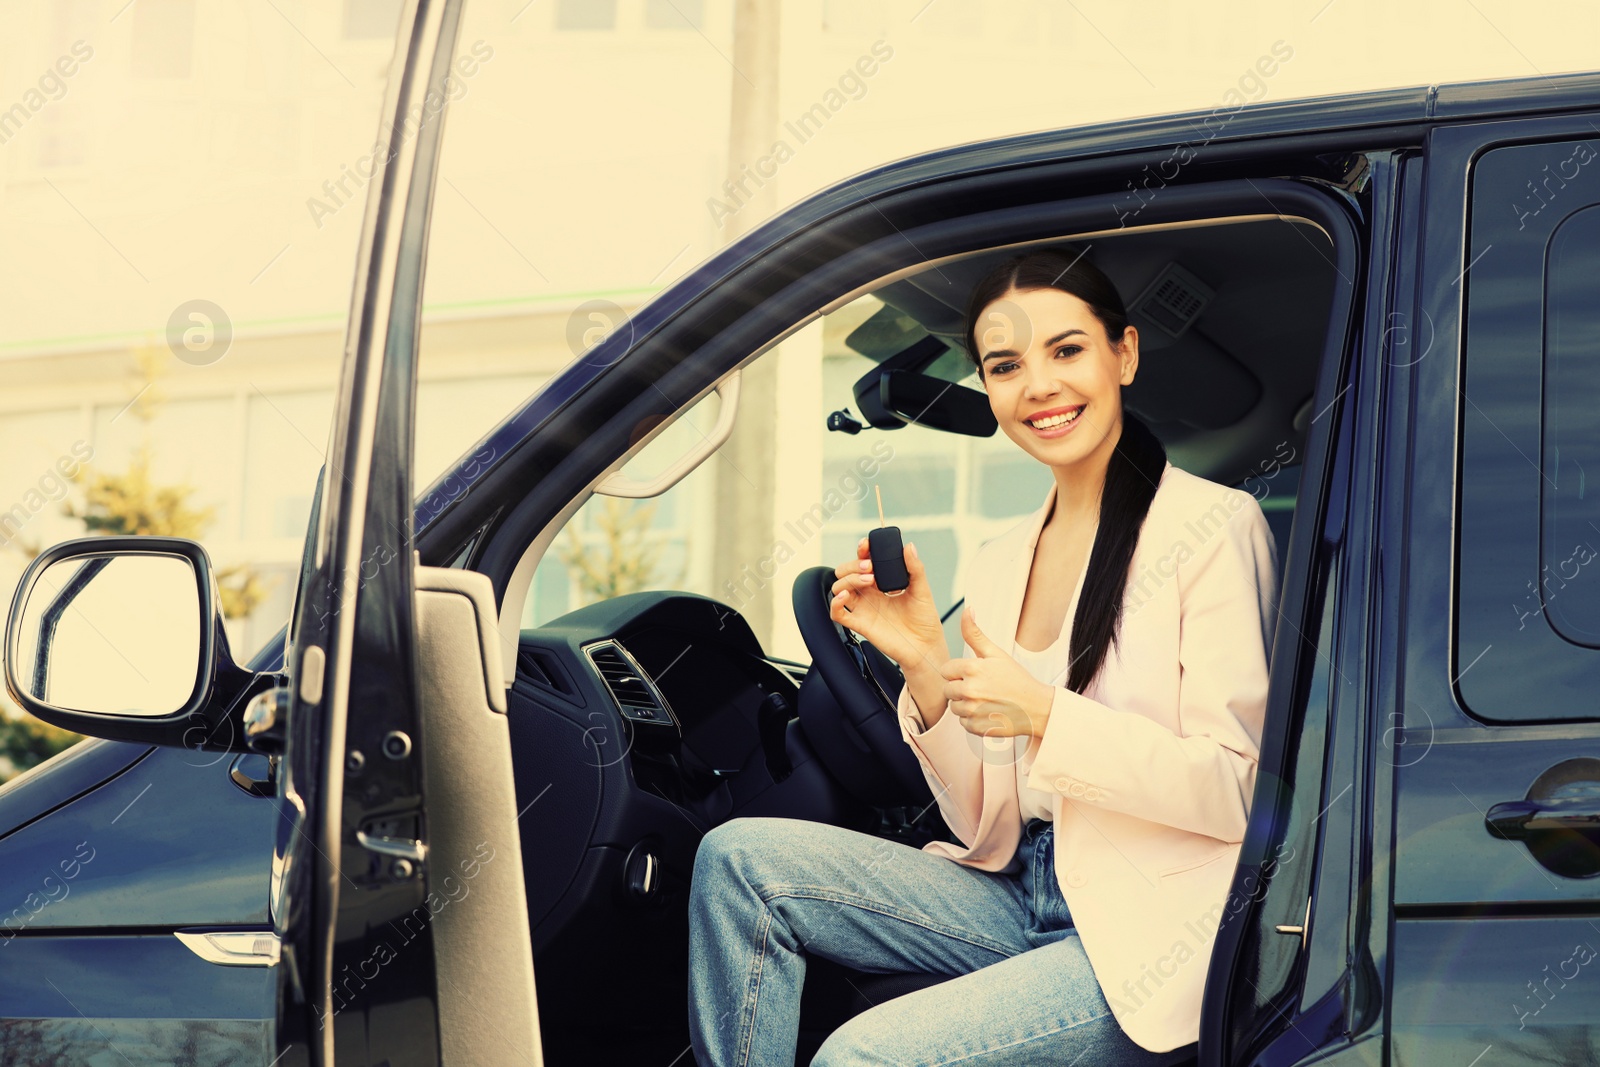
(1499, 506)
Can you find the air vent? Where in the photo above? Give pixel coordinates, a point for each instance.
(1174, 300)
(635, 695)
(543, 667)
(529, 667)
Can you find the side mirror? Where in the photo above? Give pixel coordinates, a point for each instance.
(120, 637)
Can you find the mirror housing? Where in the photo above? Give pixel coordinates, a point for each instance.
(897, 393)
(936, 403)
(48, 623)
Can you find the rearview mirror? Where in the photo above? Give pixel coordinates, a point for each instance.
(898, 391)
(119, 637)
(936, 403)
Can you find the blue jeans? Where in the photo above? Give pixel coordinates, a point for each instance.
(768, 892)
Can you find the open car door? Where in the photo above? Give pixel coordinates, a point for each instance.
(397, 891)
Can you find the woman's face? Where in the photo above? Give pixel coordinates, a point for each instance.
(1045, 355)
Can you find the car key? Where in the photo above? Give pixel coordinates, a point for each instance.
(888, 555)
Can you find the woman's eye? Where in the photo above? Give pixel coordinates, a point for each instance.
(1002, 368)
(1069, 350)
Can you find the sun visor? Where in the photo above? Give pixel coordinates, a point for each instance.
(1193, 382)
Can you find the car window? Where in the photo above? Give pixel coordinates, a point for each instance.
(1569, 512)
(614, 546)
(1527, 574)
(947, 493)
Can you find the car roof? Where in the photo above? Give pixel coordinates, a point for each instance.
(1414, 106)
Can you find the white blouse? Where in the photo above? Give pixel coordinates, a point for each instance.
(1048, 666)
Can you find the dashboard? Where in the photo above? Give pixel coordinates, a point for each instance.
(680, 677)
(635, 728)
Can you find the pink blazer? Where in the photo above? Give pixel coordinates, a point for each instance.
(1152, 770)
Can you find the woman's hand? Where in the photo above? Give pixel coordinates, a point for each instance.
(905, 627)
(994, 695)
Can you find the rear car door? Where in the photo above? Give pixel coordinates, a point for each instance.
(1495, 736)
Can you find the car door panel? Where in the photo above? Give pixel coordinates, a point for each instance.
(396, 793)
(66, 775)
(101, 883)
(117, 858)
(1483, 931)
(486, 993)
(352, 840)
(1448, 853)
(1511, 990)
(70, 1000)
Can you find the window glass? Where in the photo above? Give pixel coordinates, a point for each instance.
(1571, 507)
(188, 181)
(616, 545)
(192, 449)
(923, 485)
(524, 270)
(1527, 586)
(453, 415)
(1325, 963)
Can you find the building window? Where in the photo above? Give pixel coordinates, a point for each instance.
(674, 14)
(586, 14)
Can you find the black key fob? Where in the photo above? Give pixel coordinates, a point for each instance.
(888, 560)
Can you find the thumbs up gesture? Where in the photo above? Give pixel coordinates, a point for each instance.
(993, 694)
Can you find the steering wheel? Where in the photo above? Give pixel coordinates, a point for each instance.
(857, 734)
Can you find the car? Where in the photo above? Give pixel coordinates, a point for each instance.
(1374, 312)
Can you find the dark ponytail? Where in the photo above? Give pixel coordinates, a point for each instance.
(1132, 474)
(1131, 480)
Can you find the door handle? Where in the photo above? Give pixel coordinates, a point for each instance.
(1559, 820)
(1521, 820)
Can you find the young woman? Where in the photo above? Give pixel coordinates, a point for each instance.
(1094, 750)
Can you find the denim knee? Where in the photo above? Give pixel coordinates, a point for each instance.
(847, 1047)
(725, 845)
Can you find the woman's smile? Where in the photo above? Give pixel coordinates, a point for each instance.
(1056, 422)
